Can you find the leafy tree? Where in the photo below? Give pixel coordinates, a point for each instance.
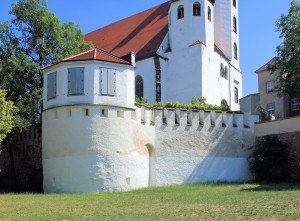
(288, 53)
(270, 160)
(6, 122)
(33, 39)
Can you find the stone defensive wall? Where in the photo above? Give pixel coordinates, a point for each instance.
(94, 148)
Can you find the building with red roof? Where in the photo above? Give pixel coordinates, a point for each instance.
(183, 48)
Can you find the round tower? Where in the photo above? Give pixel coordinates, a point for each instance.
(88, 104)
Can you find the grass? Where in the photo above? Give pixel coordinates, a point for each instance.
(186, 202)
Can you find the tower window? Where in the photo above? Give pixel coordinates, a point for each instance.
(75, 81)
(51, 85)
(209, 13)
(226, 73)
(139, 87)
(180, 12)
(236, 95)
(222, 70)
(235, 51)
(234, 25)
(197, 9)
(234, 3)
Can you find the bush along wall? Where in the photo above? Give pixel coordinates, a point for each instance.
(196, 104)
(275, 159)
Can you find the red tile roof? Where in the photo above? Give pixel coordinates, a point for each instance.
(142, 33)
(93, 54)
(197, 43)
(266, 66)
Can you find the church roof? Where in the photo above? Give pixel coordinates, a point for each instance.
(142, 33)
(93, 54)
(266, 66)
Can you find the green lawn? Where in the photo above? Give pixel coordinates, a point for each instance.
(188, 202)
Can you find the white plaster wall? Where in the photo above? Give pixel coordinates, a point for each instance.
(146, 69)
(184, 74)
(125, 85)
(215, 87)
(237, 76)
(192, 153)
(83, 154)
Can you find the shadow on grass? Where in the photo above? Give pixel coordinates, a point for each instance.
(273, 187)
(14, 191)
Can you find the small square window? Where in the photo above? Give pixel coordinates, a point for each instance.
(295, 104)
(270, 86)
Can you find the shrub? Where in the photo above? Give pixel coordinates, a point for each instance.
(270, 160)
(196, 103)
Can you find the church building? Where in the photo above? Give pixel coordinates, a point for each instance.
(183, 48)
(95, 138)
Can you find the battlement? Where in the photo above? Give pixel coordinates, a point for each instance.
(158, 117)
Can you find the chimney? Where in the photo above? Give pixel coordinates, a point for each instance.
(130, 57)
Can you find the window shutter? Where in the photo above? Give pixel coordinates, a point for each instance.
(51, 85)
(103, 80)
(76, 81)
(111, 82)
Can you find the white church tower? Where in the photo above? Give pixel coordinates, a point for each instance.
(203, 59)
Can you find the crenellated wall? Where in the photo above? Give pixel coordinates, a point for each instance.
(94, 148)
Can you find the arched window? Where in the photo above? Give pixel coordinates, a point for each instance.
(197, 9)
(234, 25)
(235, 51)
(234, 3)
(180, 12)
(224, 103)
(139, 87)
(222, 70)
(209, 13)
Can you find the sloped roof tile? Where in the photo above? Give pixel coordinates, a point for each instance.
(142, 33)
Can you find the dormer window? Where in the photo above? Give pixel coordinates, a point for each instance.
(209, 13)
(234, 25)
(180, 12)
(234, 3)
(197, 9)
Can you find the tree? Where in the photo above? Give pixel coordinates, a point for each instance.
(288, 52)
(6, 122)
(33, 39)
(270, 160)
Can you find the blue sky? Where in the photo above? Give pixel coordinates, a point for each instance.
(258, 39)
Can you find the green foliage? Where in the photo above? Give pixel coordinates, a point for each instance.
(6, 121)
(288, 52)
(33, 39)
(270, 160)
(196, 103)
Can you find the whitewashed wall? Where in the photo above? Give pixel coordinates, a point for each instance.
(128, 149)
